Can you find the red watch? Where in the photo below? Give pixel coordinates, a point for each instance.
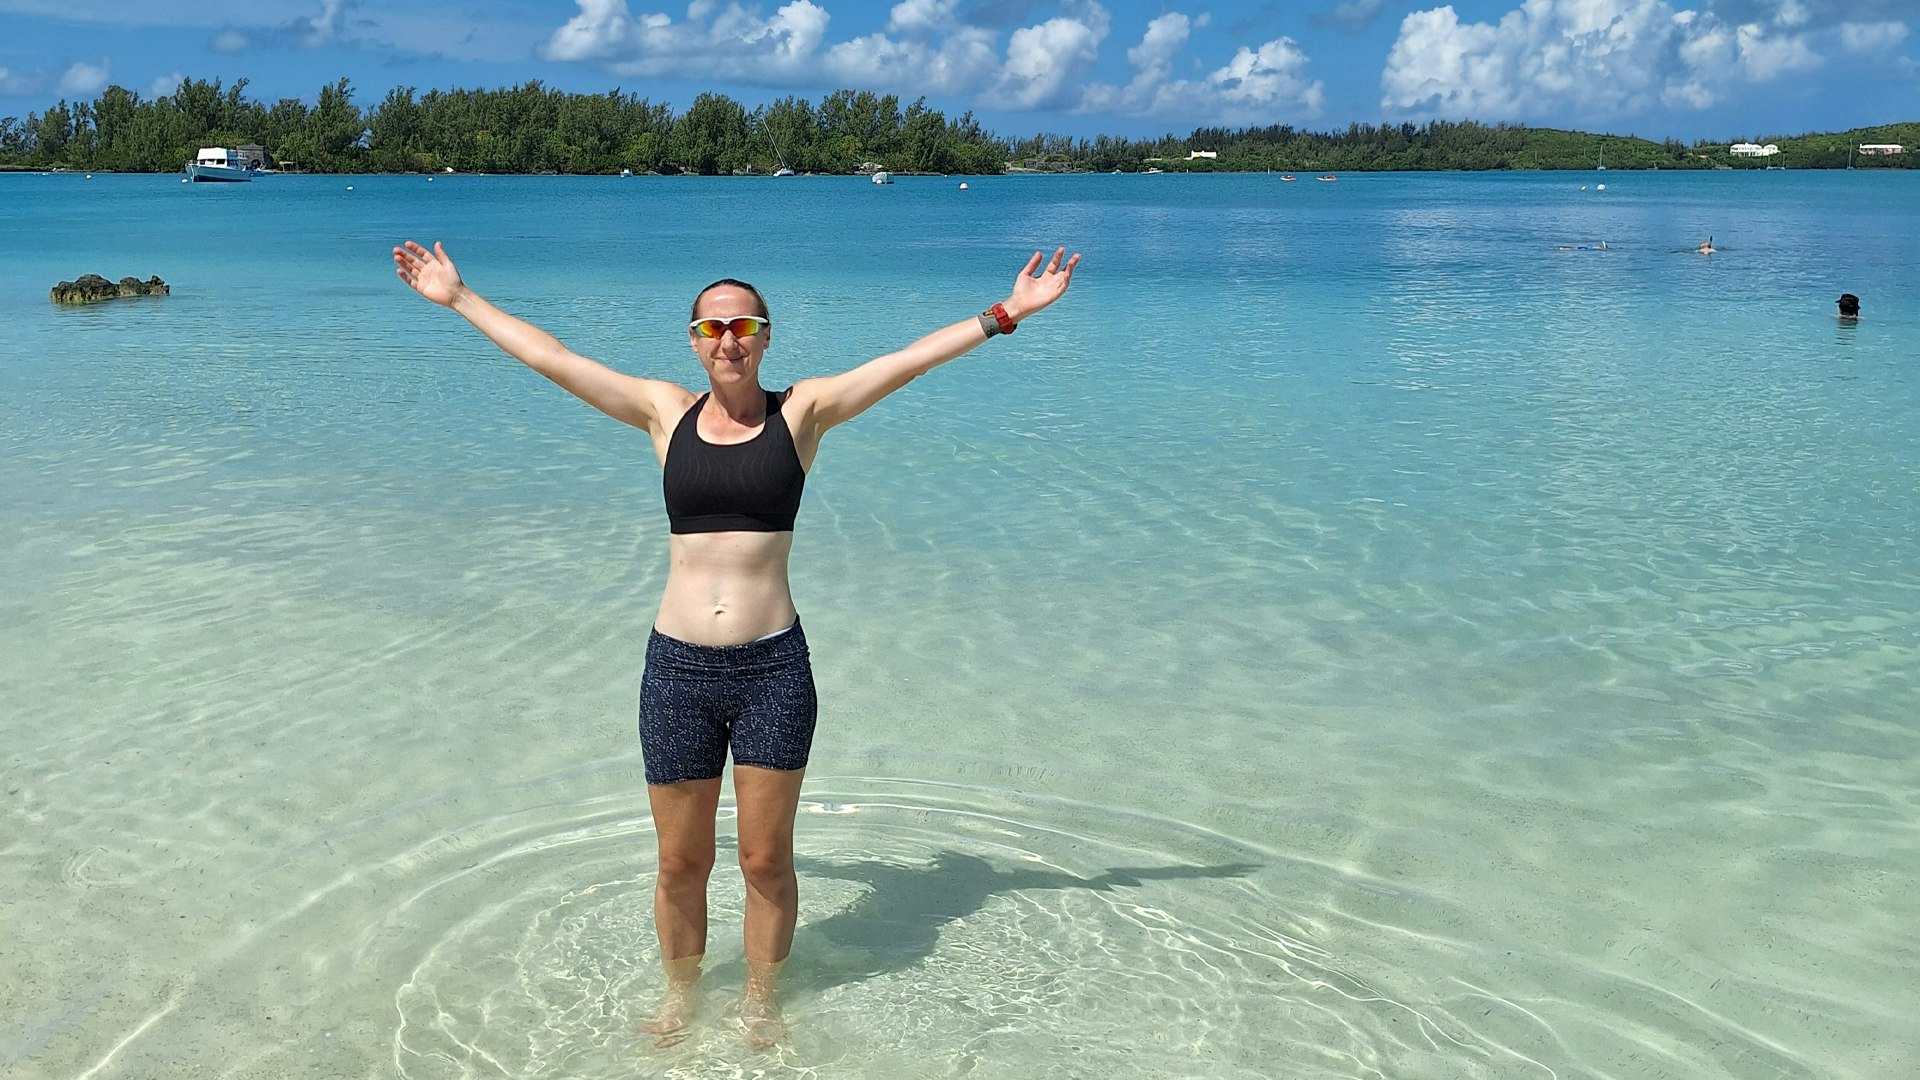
(999, 313)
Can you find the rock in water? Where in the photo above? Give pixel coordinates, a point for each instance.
(92, 288)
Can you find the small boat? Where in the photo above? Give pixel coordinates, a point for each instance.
(1153, 172)
(217, 163)
(883, 177)
(1327, 179)
(781, 161)
(1287, 179)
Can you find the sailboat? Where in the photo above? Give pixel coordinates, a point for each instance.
(1602, 167)
(782, 170)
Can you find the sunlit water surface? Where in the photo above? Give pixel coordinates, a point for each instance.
(1348, 637)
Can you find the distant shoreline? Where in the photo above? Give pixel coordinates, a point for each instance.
(30, 170)
(532, 129)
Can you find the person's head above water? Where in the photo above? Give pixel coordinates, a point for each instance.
(1849, 306)
(730, 331)
(1706, 246)
(759, 302)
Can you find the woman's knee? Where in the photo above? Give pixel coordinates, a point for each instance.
(767, 868)
(685, 869)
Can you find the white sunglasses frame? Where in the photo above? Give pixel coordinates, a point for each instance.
(694, 326)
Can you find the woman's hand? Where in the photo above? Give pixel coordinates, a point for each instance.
(431, 273)
(1031, 293)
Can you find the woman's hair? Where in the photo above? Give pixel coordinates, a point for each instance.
(694, 313)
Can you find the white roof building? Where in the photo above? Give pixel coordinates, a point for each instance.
(1747, 149)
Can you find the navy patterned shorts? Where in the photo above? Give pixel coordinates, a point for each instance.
(697, 701)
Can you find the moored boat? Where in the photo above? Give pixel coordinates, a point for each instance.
(217, 163)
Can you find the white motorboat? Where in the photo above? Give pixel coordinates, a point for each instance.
(217, 163)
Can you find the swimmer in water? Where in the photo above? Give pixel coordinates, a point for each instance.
(1849, 308)
(1706, 247)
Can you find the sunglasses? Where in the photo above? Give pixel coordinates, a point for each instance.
(740, 325)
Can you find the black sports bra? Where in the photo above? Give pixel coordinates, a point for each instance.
(752, 486)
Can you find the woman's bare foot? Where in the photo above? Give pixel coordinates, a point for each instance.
(760, 1020)
(759, 1016)
(669, 1024)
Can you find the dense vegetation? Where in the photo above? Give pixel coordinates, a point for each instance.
(534, 129)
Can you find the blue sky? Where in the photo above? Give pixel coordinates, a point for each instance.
(1687, 68)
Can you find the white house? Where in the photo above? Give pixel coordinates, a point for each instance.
(1747, 149)
(1192, 154)
(1882, 149)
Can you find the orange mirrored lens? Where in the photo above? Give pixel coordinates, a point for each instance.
(744, 326)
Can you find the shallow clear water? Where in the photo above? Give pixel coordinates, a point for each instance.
(1349, 636)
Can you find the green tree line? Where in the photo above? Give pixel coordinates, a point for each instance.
(523, 129)
(532, 128)
(1448, 145)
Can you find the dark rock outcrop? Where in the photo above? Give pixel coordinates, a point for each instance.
(92, 288)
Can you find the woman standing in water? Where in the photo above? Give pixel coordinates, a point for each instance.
(727, 664)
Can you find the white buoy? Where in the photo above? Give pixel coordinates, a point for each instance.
(429, 179)
(349, 187)
(1599, 187)
(963, 185)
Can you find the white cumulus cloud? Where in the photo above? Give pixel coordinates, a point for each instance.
(1045, 62)
(1765, 55)
(1267, 76)
(921, 19)
(1590, 59)
(929, 46)
(714, 40)
(324, 27)
(1164, 39)
(305, 32)
(165, 85)
(962, 60)
(85, 80)
(18, 83)
(1858, 37)
(1257, 85)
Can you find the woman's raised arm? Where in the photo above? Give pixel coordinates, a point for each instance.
(626, 398)
(839, 398)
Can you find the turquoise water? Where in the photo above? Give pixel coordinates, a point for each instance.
(1347, 637)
